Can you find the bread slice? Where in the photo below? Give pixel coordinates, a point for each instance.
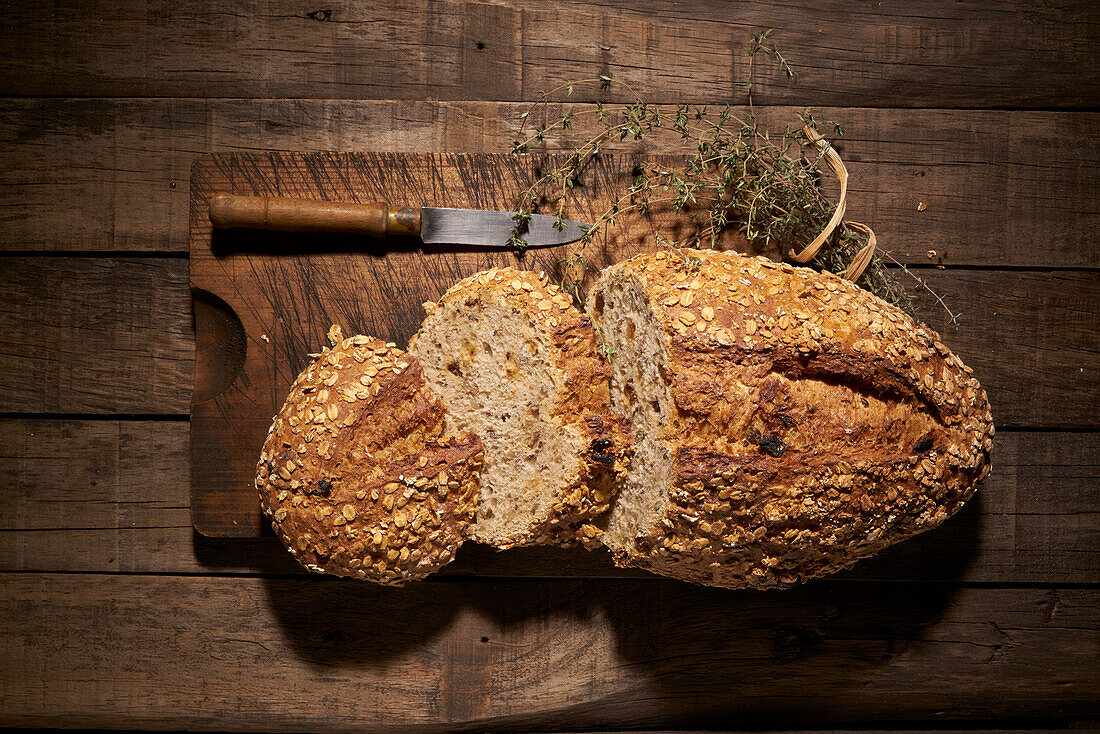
(787, 423)
(356, 474)
(516, 364)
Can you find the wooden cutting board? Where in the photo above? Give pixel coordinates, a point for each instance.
(264, 300)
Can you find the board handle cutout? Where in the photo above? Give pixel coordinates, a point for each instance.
(220, 345)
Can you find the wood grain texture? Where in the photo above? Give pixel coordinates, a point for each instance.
(96, 335)
(1030, 338)
(894, 53)
(90, 494)
(202, 653)
(1000, 187)
(107, 496)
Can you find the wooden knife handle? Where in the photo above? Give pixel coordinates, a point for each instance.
(378, 219)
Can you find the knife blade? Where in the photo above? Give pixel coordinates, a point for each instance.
(434, 225)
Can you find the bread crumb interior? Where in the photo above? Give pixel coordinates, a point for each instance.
(640, 393)
(496, 376)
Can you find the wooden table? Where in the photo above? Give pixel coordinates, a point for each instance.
(115, 614)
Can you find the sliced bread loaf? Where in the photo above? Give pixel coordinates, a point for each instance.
(516, 364)
(787, 423)
(356, 474)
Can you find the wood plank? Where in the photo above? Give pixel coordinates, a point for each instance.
(114, 335)
(935, 54)
(96, 495)
(112, 496)
(195, 652)
(1000, 187)
(1030, 337)
(95, 335)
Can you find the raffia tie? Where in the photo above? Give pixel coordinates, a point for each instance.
(863, 257)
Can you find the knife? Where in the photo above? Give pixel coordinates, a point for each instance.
(433, 225)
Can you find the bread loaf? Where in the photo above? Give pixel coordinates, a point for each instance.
(356, 474)
(516, 364)
(787, 423)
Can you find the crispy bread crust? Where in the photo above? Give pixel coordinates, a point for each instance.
(584, 400)
(354, 474)
(813, 424)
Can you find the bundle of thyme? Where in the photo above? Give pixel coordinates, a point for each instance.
(740, 177)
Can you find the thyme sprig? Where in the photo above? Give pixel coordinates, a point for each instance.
(740, 176)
